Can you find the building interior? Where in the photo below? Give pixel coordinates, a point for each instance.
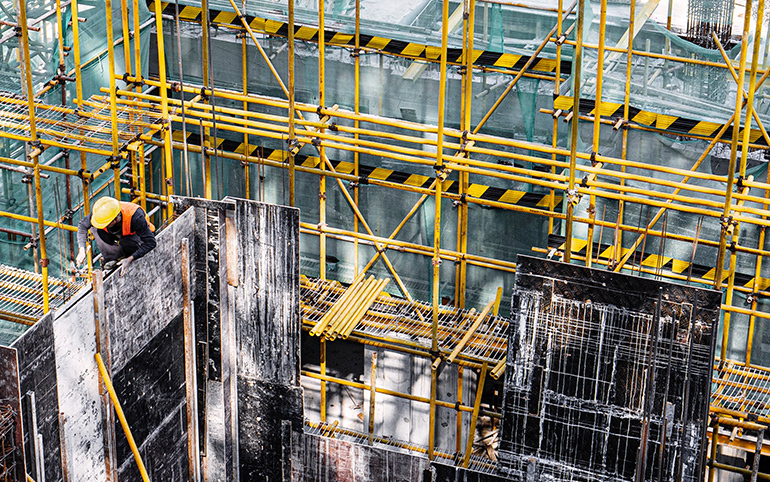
(426, 144)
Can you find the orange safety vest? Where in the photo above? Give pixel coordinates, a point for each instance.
(128, 210)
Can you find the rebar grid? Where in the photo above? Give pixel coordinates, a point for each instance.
(741, 388)
(88, 127)
(400, 320)
(583, 371)
(332, 430)
(21, 294)
(8, 449)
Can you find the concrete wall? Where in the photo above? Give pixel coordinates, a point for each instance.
(39, 395)
(243, 312)
(263, 289)
(56, 362)
(10, 398)
(322, 459)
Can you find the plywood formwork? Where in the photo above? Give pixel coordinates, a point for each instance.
(124, 124)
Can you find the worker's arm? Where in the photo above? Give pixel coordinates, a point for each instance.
(142, 229)
(83, 226)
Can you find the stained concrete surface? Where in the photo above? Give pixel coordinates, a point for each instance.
(38, 382)
(79, 401)
(601, 368)
(151, 388)
(11, 398)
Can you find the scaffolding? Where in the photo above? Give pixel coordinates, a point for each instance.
(146, 137)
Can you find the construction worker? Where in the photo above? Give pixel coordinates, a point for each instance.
(122, 231)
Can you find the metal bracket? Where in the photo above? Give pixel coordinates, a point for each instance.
(84, 175)
(573, 196)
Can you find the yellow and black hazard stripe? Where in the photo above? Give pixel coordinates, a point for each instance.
(654, 261)
(672, 123)
(390, 46)
(477, 191)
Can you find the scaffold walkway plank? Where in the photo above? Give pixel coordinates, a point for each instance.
(21, 294)
(404, 322)
(88, 128)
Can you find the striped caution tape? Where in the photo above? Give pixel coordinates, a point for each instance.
(614, 110)
(477, 191)
(394, 47)
(664, 262)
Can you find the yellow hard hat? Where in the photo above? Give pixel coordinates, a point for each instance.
(105, 210)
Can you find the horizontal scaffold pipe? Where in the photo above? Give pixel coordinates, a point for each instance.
(427, 158)
(385, 391)
(397, 245)
(707, 281)
(19, 217)
(649, 128)
(369, 43)
(237, 120)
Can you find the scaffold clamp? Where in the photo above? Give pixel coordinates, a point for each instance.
(573, 196)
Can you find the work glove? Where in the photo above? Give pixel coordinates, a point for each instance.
(124, 263)
(81, 257)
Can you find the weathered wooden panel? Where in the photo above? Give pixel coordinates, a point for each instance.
(267, 295)
(320, 459)
(263, 333)
(151, 390)
(12, 455)
(140, 304)
(262, 407)
(37, 371)
(79, 401)
(607, 376)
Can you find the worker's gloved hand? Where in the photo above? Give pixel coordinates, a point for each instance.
(124, 263)
(81, 256)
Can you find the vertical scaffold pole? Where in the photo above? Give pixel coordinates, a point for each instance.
(168, 155)
(597, 124)
(322, 184)
(33, 151)
(572, 198)
(727, 226)
(439, 167)
(291, 103)
(115, 159)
